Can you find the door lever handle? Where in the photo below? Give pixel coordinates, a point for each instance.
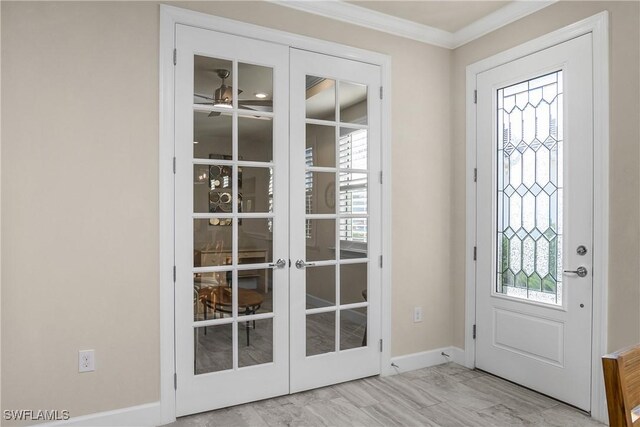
(278, 264)
(580, 271)
(300, 264)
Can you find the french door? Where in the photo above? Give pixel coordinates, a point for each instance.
(534, 221)
(335, 220)
(277, 220)
(231, 192)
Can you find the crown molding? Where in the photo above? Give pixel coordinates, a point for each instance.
(368, 18)
(507, 14)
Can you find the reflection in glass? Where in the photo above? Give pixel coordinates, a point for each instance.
(353, 328)
(353, 237)
(353, 283)
(255, 87)
(321, 193)
(212, 189)
(257, 189)
(213, 350)
(353, 193)
(255, 291)
(321, 333)
(201, 188)
(255, 138)
(211, 243)
(255, 342)
(321, 286)
(321, 146)
(321, 98)
(322, 243)
(353, 148)
(353, 103)
(212, 81)
(255, 241)
(212, 135)
(210, 292)
(530, 190)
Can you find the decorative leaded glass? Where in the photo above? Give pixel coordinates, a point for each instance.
(529, 240)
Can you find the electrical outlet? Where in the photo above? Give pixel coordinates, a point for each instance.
(417, 314)
(86, 361)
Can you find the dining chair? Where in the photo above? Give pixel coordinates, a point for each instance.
(622, 383)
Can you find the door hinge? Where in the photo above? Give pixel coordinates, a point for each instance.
(380, 177)
(380, 345)
(175, 56)
(174, 274)
(175, 381)
(174, 165)
(475, 96)
(475, 174)
(473, 331)
(381, 92)
(475, 253)
(380, 261)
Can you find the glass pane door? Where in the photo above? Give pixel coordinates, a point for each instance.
(231, 220)
(335, 220)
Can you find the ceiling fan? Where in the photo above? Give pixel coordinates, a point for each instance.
(223, 97)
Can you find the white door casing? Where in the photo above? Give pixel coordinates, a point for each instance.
(546, 347)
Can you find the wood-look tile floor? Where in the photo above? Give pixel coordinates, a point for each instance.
(444, 395)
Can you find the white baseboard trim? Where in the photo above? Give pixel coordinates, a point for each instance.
(148, 414)
(457, 355)
(424, 359)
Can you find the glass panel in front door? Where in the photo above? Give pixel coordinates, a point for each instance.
(233, 212)
(336, 178)
(529, 189)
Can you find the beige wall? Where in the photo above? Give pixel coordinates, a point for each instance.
(624, 228)
(80, 194)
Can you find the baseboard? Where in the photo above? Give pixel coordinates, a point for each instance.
(424, 359)
(457, 355)
(148, 414)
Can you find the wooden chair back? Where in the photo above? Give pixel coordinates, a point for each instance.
(622, 383)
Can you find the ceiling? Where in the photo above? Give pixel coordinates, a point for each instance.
(449, 16)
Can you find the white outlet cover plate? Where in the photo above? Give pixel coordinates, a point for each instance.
(86, 361)
(417, 314)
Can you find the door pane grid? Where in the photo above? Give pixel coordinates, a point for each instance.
(229, 214)
(529, 193)
(347, 195)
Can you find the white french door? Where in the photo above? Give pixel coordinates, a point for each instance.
(231, 220)
(335, 220)
(535, 221)
(277, 220)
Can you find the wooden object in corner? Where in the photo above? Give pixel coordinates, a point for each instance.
(622, 383)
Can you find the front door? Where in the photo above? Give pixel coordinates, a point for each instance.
(534, 221)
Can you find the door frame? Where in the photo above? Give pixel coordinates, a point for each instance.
(598, 26)
(170, 16)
